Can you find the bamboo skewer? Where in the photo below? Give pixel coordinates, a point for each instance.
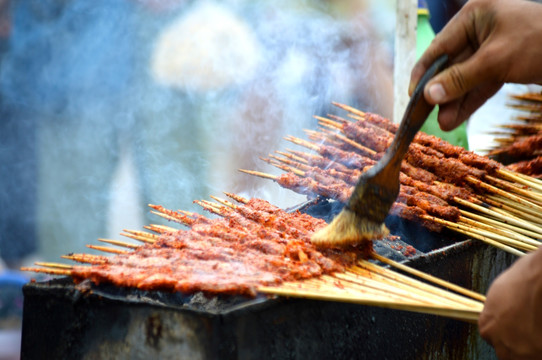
(341, 291)
(503, 193)
(491, 234)
(535, 184)
(331, 124)
(292, 156)
(496, 223)
(349, 109)
(537, 97)
(425, 290)
(224, 202)
(107, 249)
(527, 107)
(159, 229)
(365, 150)
(236, 197)
(530, 194)
(381, 279)
(120, 243)
(287, 161)
(54, 265)
(518, 220)
(477, 235)
(379, 283)
(430, 278)
(286, 168)
(506, 218)
(505, 204)
(460, 314)
(259, 174)
(166, 216)
(86, 258)
(501, 231)
(535, 118)
(140, 236)
(301, 142)
(356, 284)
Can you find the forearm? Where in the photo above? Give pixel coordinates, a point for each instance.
(512, 317)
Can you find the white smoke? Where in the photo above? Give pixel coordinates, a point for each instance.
(206, 49)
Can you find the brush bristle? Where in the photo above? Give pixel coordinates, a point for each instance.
(348, 229)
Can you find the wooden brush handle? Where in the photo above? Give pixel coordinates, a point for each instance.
(378, 187)
(416, 113)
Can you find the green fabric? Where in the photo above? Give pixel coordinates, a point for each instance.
(457, 136)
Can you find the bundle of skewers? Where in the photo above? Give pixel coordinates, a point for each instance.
(254, 248)
(519, 144)
(442, 186)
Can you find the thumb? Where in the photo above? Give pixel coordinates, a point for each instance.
(457, 80)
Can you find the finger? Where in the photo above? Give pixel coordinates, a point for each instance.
(502, 352)
(461, 78)
(486, 324)
(454, 38)
(452, 114)
(421, 66)
(448, 115)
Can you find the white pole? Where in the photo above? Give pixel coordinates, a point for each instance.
(405, 53)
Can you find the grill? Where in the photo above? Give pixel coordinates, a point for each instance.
(62, 320)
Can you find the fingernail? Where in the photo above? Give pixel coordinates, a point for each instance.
(411, 88)
(437, 93)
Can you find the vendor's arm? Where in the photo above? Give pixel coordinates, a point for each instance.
(512, 317)
(489, 42)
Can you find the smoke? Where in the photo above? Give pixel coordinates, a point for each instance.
(205, 50)
(189, 93)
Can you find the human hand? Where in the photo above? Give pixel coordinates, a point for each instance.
(489, 42)
(512, 317)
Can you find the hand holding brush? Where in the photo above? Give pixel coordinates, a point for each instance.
(362, 218)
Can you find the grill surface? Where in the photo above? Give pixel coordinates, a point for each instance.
(61, 320)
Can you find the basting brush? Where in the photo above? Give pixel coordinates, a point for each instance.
(363, 216)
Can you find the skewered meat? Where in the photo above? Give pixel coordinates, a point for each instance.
(309, 186)
(528, 167)
(409, 195)
(253, 244)
(449, 169)
(433, 174)
(368, 136)
(433, 145)
(526, 147)
(348, 158)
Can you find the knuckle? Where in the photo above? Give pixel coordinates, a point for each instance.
(458, 81)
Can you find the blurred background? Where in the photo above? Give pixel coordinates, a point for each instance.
(109, 105)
